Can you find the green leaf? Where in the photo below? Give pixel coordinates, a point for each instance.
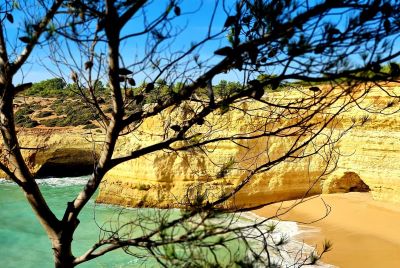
(175, 128)
(387, 26)
(132, 82)
(10, 17)
(25, 39)
(88, 65)
(230, 21)
(177, 10)
(314, 89)
(124, 71)
(394, 69)
(149, 87)
(16, 5)
(139, 98)
(225, 51)
(200, 121)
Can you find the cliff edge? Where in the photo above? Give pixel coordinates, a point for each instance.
(369, 160)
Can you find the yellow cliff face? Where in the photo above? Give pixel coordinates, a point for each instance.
(368, 157)
(55, 151)
(372, 153)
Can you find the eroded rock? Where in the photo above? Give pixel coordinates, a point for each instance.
(349, 182)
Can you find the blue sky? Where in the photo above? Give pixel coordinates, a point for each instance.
(195, 24)
(195, 27)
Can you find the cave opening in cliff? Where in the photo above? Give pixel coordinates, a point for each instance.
(354, 183)
(360, 189)
(54, 169)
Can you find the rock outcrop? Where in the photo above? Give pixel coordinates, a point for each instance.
(371, 153)
(369, 160)
(349, 182)
(56, 151)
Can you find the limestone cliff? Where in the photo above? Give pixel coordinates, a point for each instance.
(369, 160)
(56, 151)
(162, 179)
(371, 153)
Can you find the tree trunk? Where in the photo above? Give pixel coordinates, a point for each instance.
(63, 257)
(62, 247)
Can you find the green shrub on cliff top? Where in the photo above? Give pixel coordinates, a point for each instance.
(48, 88)
(44, 114)
(71, 112)
(22, 118)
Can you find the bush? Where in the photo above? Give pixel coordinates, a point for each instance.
(74, 120)
(23, 111)
(44, 114)
(58, 106)
(90, 126)
(48, 88)
(22, 118)
(26, 122)
(73, 112)
(35, 106)
(56, 87)
(55, 122)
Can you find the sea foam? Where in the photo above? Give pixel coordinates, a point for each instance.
(56, 181)
(293, 253)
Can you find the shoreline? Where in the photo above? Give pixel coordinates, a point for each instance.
(364, 232)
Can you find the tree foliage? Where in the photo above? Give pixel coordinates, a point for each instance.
(48, 88)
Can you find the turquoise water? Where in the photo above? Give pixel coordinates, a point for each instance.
(23, 242)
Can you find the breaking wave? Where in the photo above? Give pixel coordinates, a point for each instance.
(56, 182)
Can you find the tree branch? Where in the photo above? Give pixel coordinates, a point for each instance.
(16, 65)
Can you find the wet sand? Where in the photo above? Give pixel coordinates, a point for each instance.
(364, 232)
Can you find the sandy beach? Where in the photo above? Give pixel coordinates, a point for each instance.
(364, 232)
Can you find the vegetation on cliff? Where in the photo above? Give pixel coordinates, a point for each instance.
(63, 101)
